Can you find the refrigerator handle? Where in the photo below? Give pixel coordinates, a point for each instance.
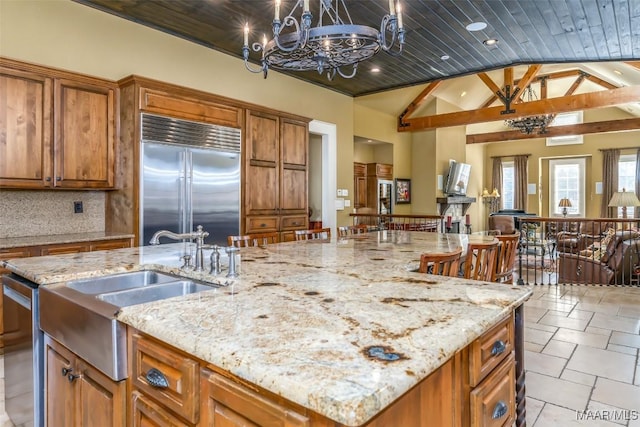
(181, 194)
(189, 227)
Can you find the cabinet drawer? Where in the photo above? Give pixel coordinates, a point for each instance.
(229, 403)
(147, 413)
(493, 401)
(180, 393)
(71, 248)
(294, 223)
(262, 223)
(384, 171)
(489, 350)
(110, 244)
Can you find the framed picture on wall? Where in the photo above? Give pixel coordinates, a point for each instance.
(403, 191)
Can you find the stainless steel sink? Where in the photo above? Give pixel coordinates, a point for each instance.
(118, 282)
(82, 314)
(150, 293)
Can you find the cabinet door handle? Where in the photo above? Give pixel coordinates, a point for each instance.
(58, 178)
(499, 410)
(48, 179)
(498, 348)
(157, 378)
(72, 377)
(263, 225)
(66, 371)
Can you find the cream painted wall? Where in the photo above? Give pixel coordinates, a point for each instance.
(71, 36)
(373, 124)
(363, 153)
(540, 155)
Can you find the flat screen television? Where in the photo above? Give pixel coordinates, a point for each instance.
(458, 179)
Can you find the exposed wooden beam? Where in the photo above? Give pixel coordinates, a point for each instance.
(601, 82)
(526, 80)
(634, 63)
(493, 87)
(583, 101)
(575, 85)
(580, 129)
(508, 77)
(419, 100)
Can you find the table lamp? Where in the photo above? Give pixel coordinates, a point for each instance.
(623, 199)
(564, 204)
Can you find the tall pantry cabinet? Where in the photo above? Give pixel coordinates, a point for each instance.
(275, 174)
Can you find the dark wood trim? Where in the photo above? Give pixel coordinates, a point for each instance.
(580, 129)
(419, 100)
(526, 80)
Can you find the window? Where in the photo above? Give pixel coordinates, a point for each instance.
(627, 179)
(566, 180)
(565, 119)
(508, 184)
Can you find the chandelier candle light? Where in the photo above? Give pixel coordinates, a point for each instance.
(531, 124)
(324, 47)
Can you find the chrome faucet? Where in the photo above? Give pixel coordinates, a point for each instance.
(197, 236)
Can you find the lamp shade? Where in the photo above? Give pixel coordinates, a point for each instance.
(564, 203)
(624, 198)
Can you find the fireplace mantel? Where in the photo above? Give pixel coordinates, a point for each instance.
(445, 202)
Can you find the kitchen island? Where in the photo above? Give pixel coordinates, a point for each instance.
(342, 328)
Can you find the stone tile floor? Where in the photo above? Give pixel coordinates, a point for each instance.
(581, 357)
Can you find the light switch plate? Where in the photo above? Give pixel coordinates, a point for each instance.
(345, 192)
(347, 203)
(339, 192)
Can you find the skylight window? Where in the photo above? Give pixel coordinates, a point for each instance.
(566, 119)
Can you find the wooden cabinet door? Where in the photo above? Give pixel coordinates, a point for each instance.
(59, 399)
(85, 134)
(25, 129)
(262, 163)
(360, 188)
(293, 167)
(101, 401)
(146, 413)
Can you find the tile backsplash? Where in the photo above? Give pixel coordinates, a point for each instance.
(37, 213)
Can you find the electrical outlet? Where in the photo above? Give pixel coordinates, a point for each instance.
(77, 207)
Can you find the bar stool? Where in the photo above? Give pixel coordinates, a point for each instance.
(443, 263)
(480, 263)
(352, 229)
(318, 234)
(256, 239)
(506, 261)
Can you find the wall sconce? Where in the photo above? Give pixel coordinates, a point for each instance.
(492, 199)
(564, 204)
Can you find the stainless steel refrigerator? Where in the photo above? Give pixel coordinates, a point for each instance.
(190, 176)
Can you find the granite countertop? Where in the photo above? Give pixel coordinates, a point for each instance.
(342, 328)
(56, 239)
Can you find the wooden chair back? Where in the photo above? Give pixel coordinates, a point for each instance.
(256, 239)
(480, 262)
(443, 264)
(350, 230)
(317, 234)
(507, 253)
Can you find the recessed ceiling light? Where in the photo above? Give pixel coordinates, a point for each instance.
(375, 70)
(445, 57)
(618, 72)
(476, 26)
(490, 42)
(464, 92)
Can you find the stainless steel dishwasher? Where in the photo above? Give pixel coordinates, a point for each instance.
(23, 352)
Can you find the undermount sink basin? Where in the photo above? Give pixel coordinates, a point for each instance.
(150, 293)
(119, 282)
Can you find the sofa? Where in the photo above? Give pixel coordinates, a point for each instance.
(580, 235)
(612, 264)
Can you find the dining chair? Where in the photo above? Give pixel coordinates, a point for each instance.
(442, 263)
(317, 234)
(480, 262)
(506, 259)
(349, 230)
(256, 239)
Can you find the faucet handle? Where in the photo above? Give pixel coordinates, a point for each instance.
(215, 260)
(186, 259)
(231, 251)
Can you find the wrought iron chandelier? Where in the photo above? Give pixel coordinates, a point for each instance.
(336, 47)
(531, 124)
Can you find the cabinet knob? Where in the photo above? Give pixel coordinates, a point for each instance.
(66, 371)
(263, 225)
(72, 377)
(156, 378)
(58, 178)
(48, 179)
(499, 410)
(498, 348)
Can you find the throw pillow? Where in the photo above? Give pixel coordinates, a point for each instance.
(606, 240)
